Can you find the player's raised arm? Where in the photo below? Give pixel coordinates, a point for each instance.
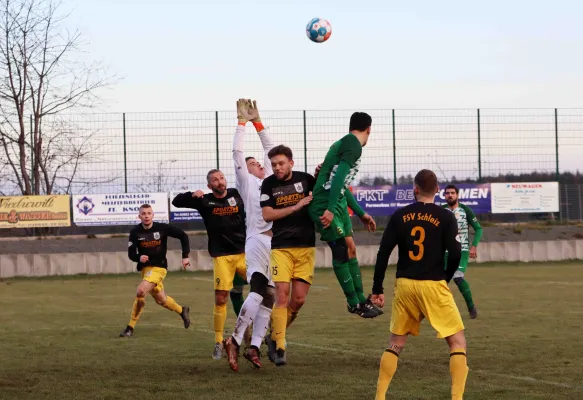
(188, 200)
(133, 247)
(241, 172)
(264, 135)
(452, 245)
(388, 243)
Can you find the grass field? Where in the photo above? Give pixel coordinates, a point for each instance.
(59, 341)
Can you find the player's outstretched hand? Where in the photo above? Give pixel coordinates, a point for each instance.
(378, 300)
(326, 219)
(144, 259)
(473, 252)
(242, 114)
(253, 111)
(369, 223)
(304, 202)
(185, 263)
(197, 194)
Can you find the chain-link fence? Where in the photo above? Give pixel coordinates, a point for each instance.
(134, 152)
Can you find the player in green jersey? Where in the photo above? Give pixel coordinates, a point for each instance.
(329, 211)
(465, 218)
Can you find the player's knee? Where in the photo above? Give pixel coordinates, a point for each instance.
(339, 250)
(351, 249)
(269, 298)
(458, 281)
(160, 300)
(297, 302)
(259, 284)
(220, 297)
(456, 341)
(141, 292)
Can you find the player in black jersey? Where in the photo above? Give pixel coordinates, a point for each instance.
(284, 197)
(223, 213)
(148, 247)
(423, 232)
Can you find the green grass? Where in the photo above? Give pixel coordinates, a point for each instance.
(59, 341)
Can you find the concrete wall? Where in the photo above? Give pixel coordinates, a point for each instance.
(12, 265)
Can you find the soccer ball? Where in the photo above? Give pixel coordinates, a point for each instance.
(319, 30)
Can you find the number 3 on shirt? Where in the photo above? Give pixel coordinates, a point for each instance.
(418, 243)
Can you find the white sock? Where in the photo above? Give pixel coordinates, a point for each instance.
(247, 315)
(260, 324)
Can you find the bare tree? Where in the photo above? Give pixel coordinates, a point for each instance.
(42, 76)
(159, 180)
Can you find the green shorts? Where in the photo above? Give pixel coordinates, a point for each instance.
(340, 227)
(463, 262)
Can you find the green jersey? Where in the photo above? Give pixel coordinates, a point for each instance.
(465, 218)
(338, 171)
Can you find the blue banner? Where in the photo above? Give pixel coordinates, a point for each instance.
(385, 200)
(182, 214)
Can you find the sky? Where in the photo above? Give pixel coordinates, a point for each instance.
(192, 55)
(434, 62)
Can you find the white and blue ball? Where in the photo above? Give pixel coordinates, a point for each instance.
(319, 30)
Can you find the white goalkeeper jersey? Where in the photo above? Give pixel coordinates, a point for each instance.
(248, 185)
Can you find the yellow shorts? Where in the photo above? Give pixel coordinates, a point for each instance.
(154, 275)
(294, 263)
(225, 268)
(433, 300)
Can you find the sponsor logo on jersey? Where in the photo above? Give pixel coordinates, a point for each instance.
(289, 200)
(150, 243)
(223, 211)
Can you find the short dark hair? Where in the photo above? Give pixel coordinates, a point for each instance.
(145, 205)
(281, 150)
(454, 187)
(249, 158)
(426, 180)
(212, 171)
(360, 121)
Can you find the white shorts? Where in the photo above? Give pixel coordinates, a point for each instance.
(257, 256)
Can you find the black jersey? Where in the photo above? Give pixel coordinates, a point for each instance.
(224, 219)
(423, 232)
(153, 243)
(297, 229)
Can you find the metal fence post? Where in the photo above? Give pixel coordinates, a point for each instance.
(217, 137)
(394, 148)
(31, 157)
(557, 143)
(305, 144)
(125, 154)
(479, 148)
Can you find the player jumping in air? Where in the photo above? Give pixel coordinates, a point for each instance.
(223, 213)
(147, 247)
(284, 197)
(250, 174)
(422, 231)
(329, 211)
(465, 217)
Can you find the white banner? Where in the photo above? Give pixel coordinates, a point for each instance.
(182, 214)
(525, 197)
(117, 208)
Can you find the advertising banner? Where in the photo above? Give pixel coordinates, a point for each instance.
(35, 211)
(525, 197)
(117, 208)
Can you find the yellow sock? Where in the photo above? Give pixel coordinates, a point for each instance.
(278, 323)
(171, 305)
(458, 368)
(386, 372)
(137, 309)
(220, 316)
(291, 316)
